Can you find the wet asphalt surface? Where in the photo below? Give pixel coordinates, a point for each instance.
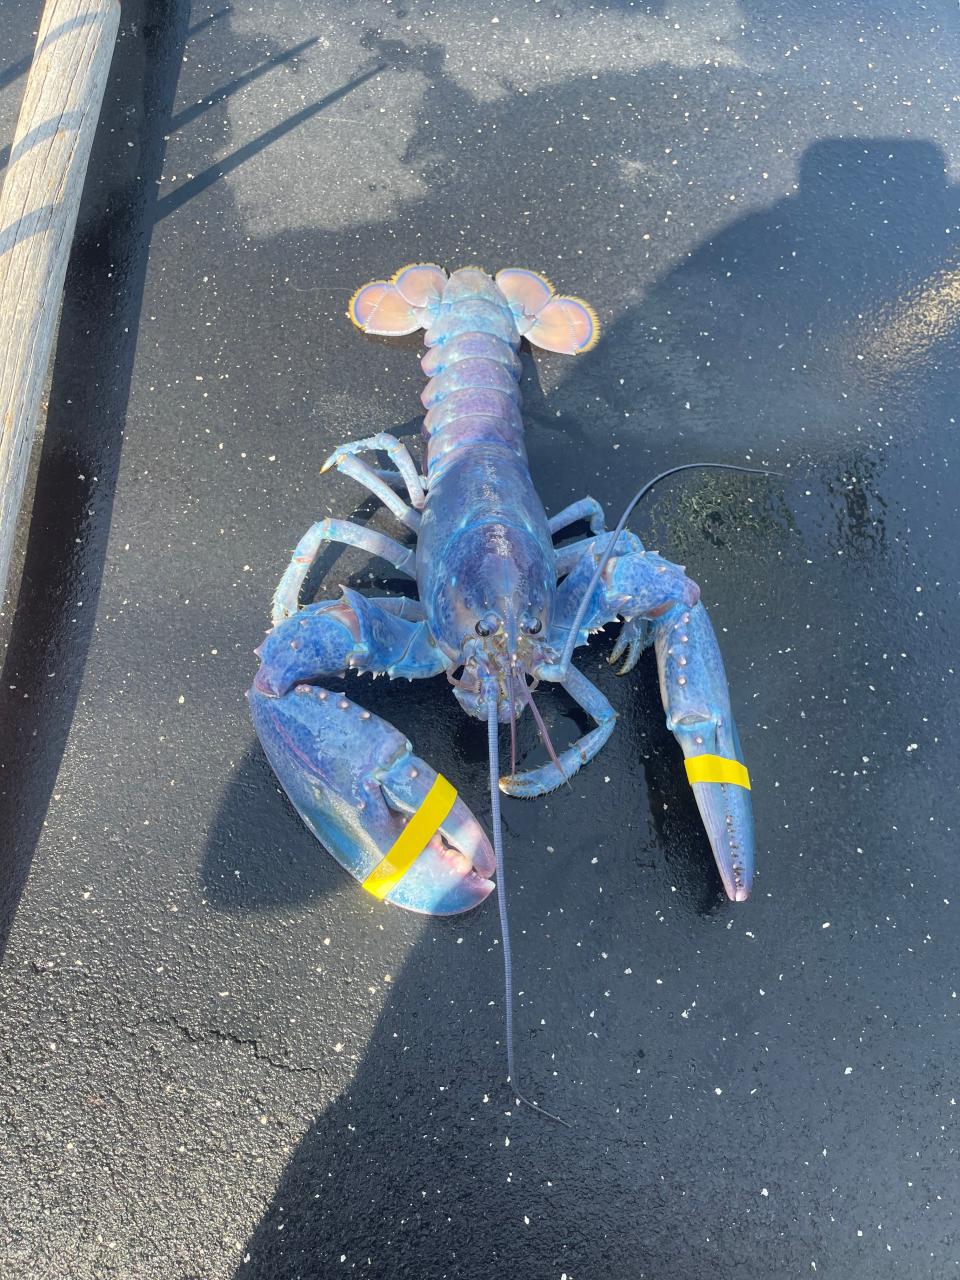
(221, 1059)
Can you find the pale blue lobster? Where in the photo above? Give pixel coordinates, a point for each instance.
(498, 605)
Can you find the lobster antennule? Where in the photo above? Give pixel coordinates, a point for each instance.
(510, 622)
(544, 733)
(493, 725)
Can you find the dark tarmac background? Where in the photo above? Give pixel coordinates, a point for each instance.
(223, 1060)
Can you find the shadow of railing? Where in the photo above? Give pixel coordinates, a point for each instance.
(66, 545)
(189, 114)
(193, 186)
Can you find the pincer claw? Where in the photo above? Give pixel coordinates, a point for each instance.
(694, 690)
(632, 640)
(385, 815)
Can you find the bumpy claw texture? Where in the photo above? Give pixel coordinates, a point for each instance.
(353, 633)
(636, 585)
(693, 686)
(355, 781)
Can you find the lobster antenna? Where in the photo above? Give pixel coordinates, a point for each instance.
(494, 751)
(511, 691)
(641, 493)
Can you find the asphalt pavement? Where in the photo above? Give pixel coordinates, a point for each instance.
(221, 1060)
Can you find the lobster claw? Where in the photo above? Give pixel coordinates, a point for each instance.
(383, 813)
(693, 686)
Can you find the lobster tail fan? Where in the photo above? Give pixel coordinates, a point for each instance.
(404, 304)
(378, 307)
(421, 284)
(566, 325)
(528, 292)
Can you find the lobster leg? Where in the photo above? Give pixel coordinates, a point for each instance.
(392, 478)
(634, 637)
(570, 557)
(381, 811)
(586, 509)
(537, 782)
(286, 598)
(368, 477)
(399, 455)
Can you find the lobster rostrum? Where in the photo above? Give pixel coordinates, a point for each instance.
(499, 607)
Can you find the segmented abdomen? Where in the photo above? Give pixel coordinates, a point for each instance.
(473, 395)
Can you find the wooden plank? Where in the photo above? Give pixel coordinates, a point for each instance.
(38, 214)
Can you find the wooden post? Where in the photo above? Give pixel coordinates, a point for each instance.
(38, 214)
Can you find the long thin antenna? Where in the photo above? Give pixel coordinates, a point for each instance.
(511, 694)
(671, 471)
(494, 751)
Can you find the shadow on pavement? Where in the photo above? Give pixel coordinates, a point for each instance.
(56, 607)
(193, 186)
(405, 1173)
(51, 628)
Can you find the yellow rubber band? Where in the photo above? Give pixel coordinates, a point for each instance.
(413, 839)
(716, 769)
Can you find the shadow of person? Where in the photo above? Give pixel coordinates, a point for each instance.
(747, 348)
(791, 331)
(417, 1169)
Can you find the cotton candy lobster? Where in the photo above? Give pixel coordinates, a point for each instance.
(498, 606)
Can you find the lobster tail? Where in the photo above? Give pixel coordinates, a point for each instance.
(412, 300)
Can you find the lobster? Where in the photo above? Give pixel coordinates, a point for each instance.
(498, 607)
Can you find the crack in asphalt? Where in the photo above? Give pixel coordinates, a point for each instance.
(202, 1034)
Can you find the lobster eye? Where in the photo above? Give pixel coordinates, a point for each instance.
(530, 624)
(487, 625)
